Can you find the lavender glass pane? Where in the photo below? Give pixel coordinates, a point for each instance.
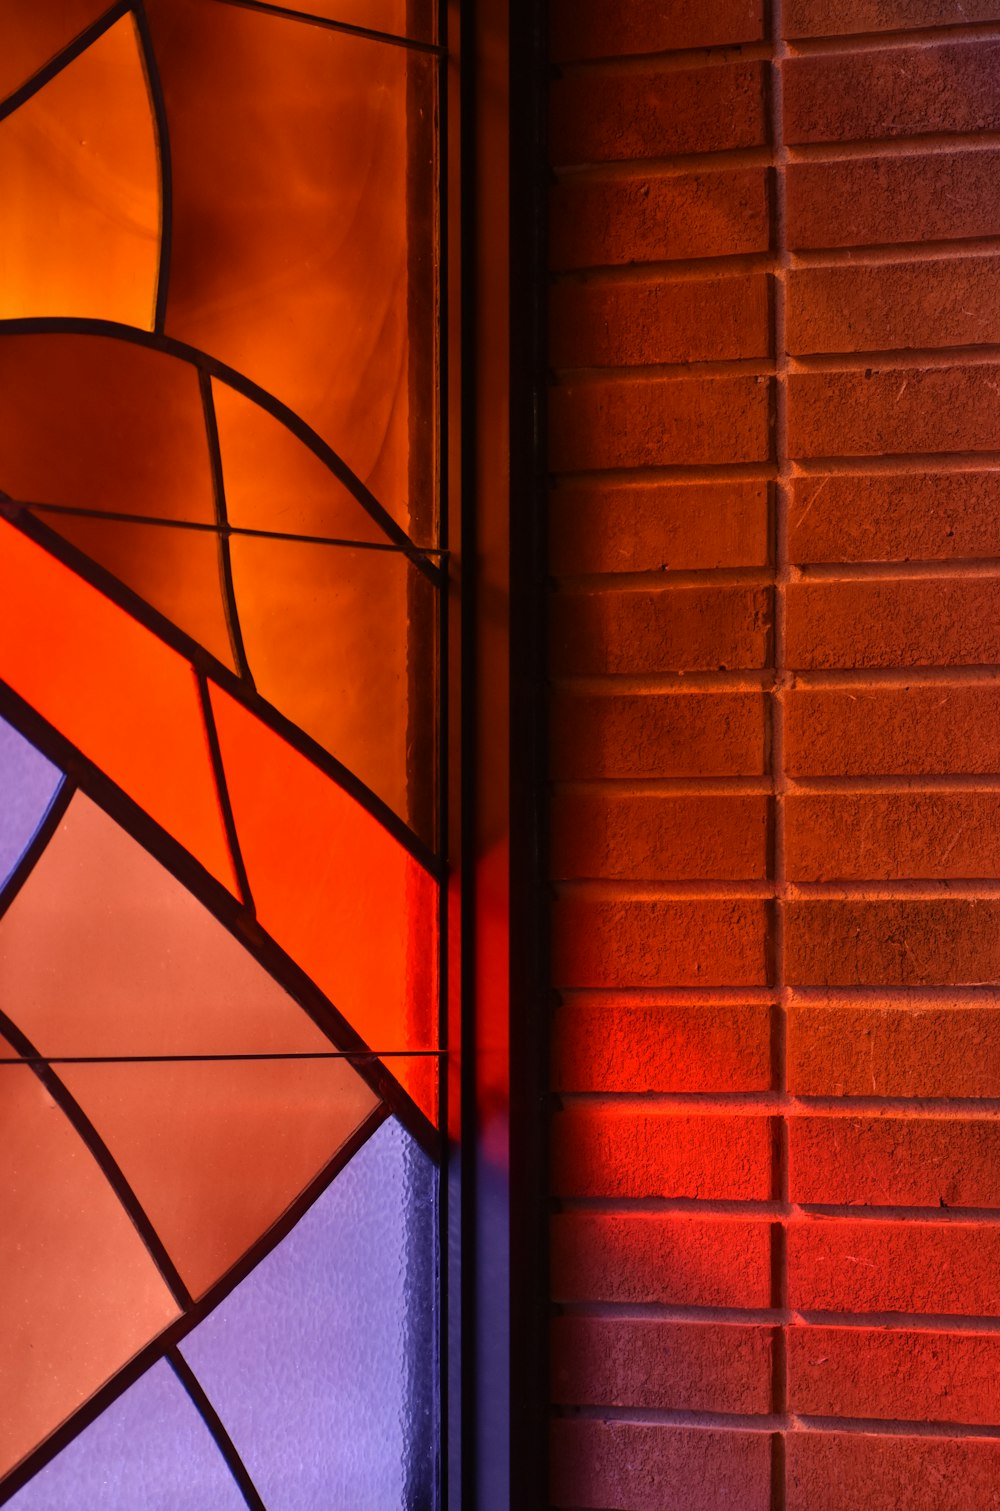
(322, 1364)
(28, 783)
(149, 1451)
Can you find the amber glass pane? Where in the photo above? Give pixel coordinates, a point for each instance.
(328, 637)
(33, 33)
(117, 692)
(80, 1293)
(403, 18)
(102, 424)
(217, 1151)
(274, 482)
(335, 888)
(103, 952)
(178, 571)
(292, 261)
(81, 190)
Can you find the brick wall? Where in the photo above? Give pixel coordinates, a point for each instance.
(775, 656)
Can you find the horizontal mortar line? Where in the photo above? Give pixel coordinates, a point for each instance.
(788, 1104)
(679, 787)
(667, 577)
(910, 889)
(712, 472)
(671, 165)
(672, 996)
(764, 1209)
(904, 464)
(897, 676)
(855, 785)
(917, 39)
(932, 250)
(665, 682)
(910, 144)
(679, 270)
(761, 367)
(662, 1311)
(900, 359)
(848, 996)
(896, 1427)
(908, 1321)
(980, 1217)
(695, 890)
(958, 568)
(671, 60)
(662, 1417)
(768, 1102)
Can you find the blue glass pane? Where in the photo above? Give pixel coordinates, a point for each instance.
(322, 1364)
(28, 783)
(149, 1451)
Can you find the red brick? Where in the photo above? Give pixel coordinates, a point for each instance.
(861, 731)
(845, 1471)
(659, 734)
(832, 18)
(655, 942)
(666, 1047)
(593, 29)
(892, 1050)
(901, 942)
(677, 1366)
(941, 621)
(658, 422)
(894, 1373)
(894, 1161)
(907, 516)
(873, 200)
(599, 323)
(896, 91)
(894, 409)
(603, 117)
(633, 630)
(892, 835)
(947, 301)
(619, 1151)
(635, 1466)
(852, 1265)
(676, 1260)
(604, 220)
(639, 527)
(658, 837)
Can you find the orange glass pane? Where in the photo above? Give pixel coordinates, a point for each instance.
(175, 570)
(81, 190)
(102, 424)
(328, 637)
(125, 699)
(217, 1151)
(33, 34)
(292, 261)
(335, 889)
(103, 952)
(403, 18)
(274, 482)
(81, 1295)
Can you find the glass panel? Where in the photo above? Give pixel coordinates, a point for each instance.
(80, 175)
(28, 784)
(402, 18)
(149, 1451)
(336, 638)
(103, 424)
(80, 1293)
(322, 1364)
(106, 682)
(216, 1151)
(297, 262)
(33, 33)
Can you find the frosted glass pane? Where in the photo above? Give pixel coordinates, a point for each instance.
(322, 1364)
(28, 783)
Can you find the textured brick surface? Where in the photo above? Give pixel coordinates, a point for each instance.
(647, 735)
(643, 526)
(664, 1047)
(848, 1265)
(897, 91)
(843, 1472)
(680, 1260)
(633, 630)
(871, 201)
(894, 1161)
(899, 942)
(940, 727)
(601, 220)
(641, 1467)
(892, 835)
(831, 18)
(945, 301)
(895, 1373)
(593, 29)
(896, 1049)
(596, 322)
(619, 1151)
(601, 117)
(659, 837)
(895, 409)
(945, 621)
(660, 942)
(922, 516)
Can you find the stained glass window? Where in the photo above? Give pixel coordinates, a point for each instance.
(221, 582)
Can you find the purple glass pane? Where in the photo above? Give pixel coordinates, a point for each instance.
(149, 1451)
(323, 1363)
(28, 783)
